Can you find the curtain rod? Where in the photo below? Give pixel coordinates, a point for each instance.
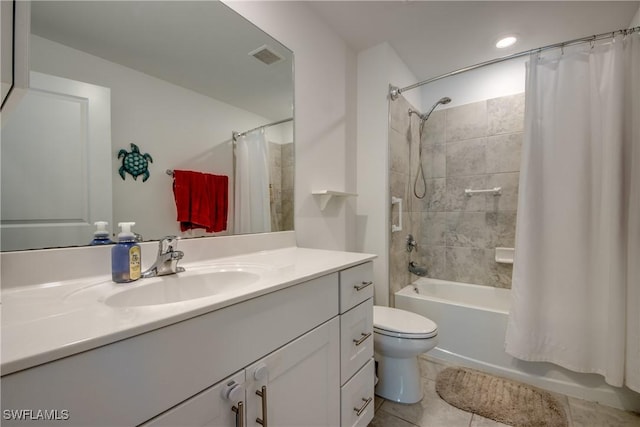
(395, 91)
(235, 135)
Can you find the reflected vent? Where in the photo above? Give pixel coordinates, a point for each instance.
(266, 55)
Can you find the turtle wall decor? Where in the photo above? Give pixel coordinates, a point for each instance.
(134, 163)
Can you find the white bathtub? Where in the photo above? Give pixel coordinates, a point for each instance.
(472, 323)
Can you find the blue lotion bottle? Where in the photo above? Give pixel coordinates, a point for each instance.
(101, 235)
(126, 259)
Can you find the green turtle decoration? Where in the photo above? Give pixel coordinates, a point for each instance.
(135, 163)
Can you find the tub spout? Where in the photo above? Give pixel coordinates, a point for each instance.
(417, 270)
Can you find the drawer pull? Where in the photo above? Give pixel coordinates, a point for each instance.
(364, 406)
(363, 285)
(361, 340)
(239, 410)
(263, 394)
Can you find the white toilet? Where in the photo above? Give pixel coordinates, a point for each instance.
(399, 337)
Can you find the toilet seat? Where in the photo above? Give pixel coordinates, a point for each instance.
(402, 324)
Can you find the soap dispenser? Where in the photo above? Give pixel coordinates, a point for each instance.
(101, 235)
(126, 259)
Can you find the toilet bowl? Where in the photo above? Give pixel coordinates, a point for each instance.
(399, 337)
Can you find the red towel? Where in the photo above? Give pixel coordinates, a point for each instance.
(202, 200)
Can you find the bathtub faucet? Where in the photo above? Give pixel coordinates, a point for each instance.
(411, 243)
(417, 270)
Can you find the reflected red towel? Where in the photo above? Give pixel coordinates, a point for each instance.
(220, 201)
(202, 200)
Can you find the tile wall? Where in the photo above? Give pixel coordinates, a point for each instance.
(473, 146)
(281, 185)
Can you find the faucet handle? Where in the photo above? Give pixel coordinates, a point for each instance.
(167, 244)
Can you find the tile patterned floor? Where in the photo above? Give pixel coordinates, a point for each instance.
(432, 411)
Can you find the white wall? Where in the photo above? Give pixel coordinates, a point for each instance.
(493, 81)
(280, 134)
(635, 21)
(325, 119)
(161, 118)
(377, 68)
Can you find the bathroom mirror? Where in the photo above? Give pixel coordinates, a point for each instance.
(142, 87)
(6, 73)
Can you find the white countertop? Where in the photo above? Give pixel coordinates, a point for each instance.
(45, 322)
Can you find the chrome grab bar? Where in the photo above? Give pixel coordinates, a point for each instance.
(496, 191)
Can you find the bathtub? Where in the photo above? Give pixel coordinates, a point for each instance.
(472, 324)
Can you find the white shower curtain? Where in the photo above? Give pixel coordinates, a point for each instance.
(576, 278)
(252, 212)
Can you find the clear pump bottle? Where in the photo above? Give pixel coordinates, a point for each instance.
(101, 235)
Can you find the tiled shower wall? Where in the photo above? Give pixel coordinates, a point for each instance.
(473, 146)
(281, 185)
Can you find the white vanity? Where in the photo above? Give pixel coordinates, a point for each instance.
(292, 348)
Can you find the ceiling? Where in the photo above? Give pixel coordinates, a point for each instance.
(431, 37)
(200, 45)
(436, 37)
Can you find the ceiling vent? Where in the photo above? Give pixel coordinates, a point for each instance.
(266, 55)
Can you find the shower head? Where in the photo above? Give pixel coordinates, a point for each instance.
(443, 101)
(424, 117)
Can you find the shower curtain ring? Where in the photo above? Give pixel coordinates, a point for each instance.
(593, 42)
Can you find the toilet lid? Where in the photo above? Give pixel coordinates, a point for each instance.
(402, 323)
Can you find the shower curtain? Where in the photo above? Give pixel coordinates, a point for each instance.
(576, 279)
(252, 212)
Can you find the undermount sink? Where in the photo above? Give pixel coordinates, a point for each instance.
(177, 288)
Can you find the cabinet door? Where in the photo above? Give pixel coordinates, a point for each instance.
(297, 385)
(219, 405)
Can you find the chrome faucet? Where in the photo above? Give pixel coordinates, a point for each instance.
(411, 243)
(417, 270)
(167, 260)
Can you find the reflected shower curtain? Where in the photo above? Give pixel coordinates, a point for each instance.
(576, 279)
(252, 212)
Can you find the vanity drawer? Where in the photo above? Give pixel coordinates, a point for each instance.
(356, 285)
(356, 339)
(357, 400)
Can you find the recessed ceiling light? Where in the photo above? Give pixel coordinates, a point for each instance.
(506, 42)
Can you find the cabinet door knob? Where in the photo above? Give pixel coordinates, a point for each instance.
(361, 340)
(363, 285)
(360, 410)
